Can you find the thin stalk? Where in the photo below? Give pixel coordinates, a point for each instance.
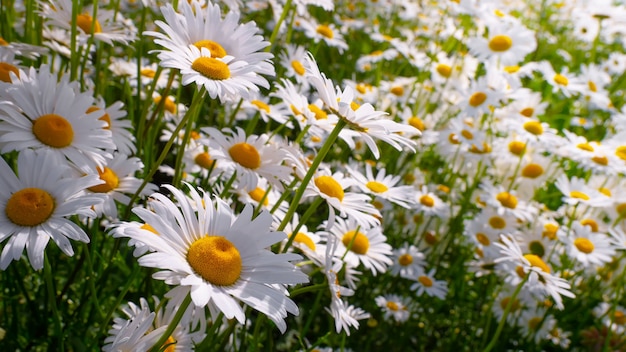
(56, 318)
(494, 339)
(173, 324)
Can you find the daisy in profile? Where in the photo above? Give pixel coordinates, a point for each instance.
(46, 114)
(210, 252)
(507, 44)
(426, 283)
(106, 27)
(119, 182)
(118, 124)
(408, 261)
(332, 188)
(363, 121)
(394, 306)
(360, 244)
(577, 191)
(250, 157)
(222, 55)
(37, 202)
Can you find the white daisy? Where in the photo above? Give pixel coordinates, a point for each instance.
(426, 283)
(394, 306)
(587, 247)
(53, 115)
(36, 203)
(506, 43)
(383, 186)
(408, 261)
(240, 267)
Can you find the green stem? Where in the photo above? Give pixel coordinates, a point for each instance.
(494, 339)
(283, 15)
(173, 324)
(193, 111)
(162, 156)
(58, 330)
(312, 169)
(310, 211)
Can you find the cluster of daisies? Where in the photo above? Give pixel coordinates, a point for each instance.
(397, 148)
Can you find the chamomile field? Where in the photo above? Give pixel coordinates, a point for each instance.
(312, 175)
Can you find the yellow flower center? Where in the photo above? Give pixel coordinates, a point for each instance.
(405, 259)
(592, 86)
(325, 31)
(584, 245)
(497, 222)
(204, 160)
(298, 67)
(3, 42)
(431, 238)
(217, 51)
(549, 231)
(305, 240)
(591, 223)
(515, 305)
(560, 79)
(477, 99)
(425, 280)
(392, 306)
(444, 70)
(600, 160)
(246, 155)
(585, 146)
(532, 171)
(169, 344)
(147, 72)
(533, 127)
(258, 194)
(261, 105)
(507, 200)
(511, 69)
(417, 123)
(319, 113)
(376, 187)
(86, 23)
(427, 201)
(533, 323)
(168, 104)
(605, 191)
(215, 259)
(5, 68)
(397, 91)
(111, 181)
(329, 186)
(211, 68)
(483, 239)
(149, 227)
(356, 241)
(579, 195)
(467, 134)
(106, 118)
(500, 43)
(621, 210)
(619, 318)
(517, 147)
(620, 152)
(53, 130)
(527, 112)
(536, 261)
(29, 207)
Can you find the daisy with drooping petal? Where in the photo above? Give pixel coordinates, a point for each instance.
(219, 258)
(250, 157)
(332, 188)
(46, 114)
(36, 203)
(360, 244)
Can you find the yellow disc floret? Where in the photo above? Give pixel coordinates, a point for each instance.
(500, 43)
(329, 186)
(53, 130)
(246, 155)
(216, 260)
(211, 68)
(29, 207)
(356, 241)
(111, 181)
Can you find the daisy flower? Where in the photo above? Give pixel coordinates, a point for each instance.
(426, 283)
(346, 315)
(106, 27)
(540, 280)
(250, 157)
(383, 186)
(587, 247)
(327, 33)
(36, 203)
(118, 182)
(135, 333)
(507, 202)
(577, 191)
(429, 203)
(360, 244)
(46, 114)
(118, 124)
(332, 188)
(564, 81)
(293, 60)
(363, 120)
(263, 196)
(506, 43)
(408, 261)
(306, 241)
(220, 54)
(394, 306)
(241, 268)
